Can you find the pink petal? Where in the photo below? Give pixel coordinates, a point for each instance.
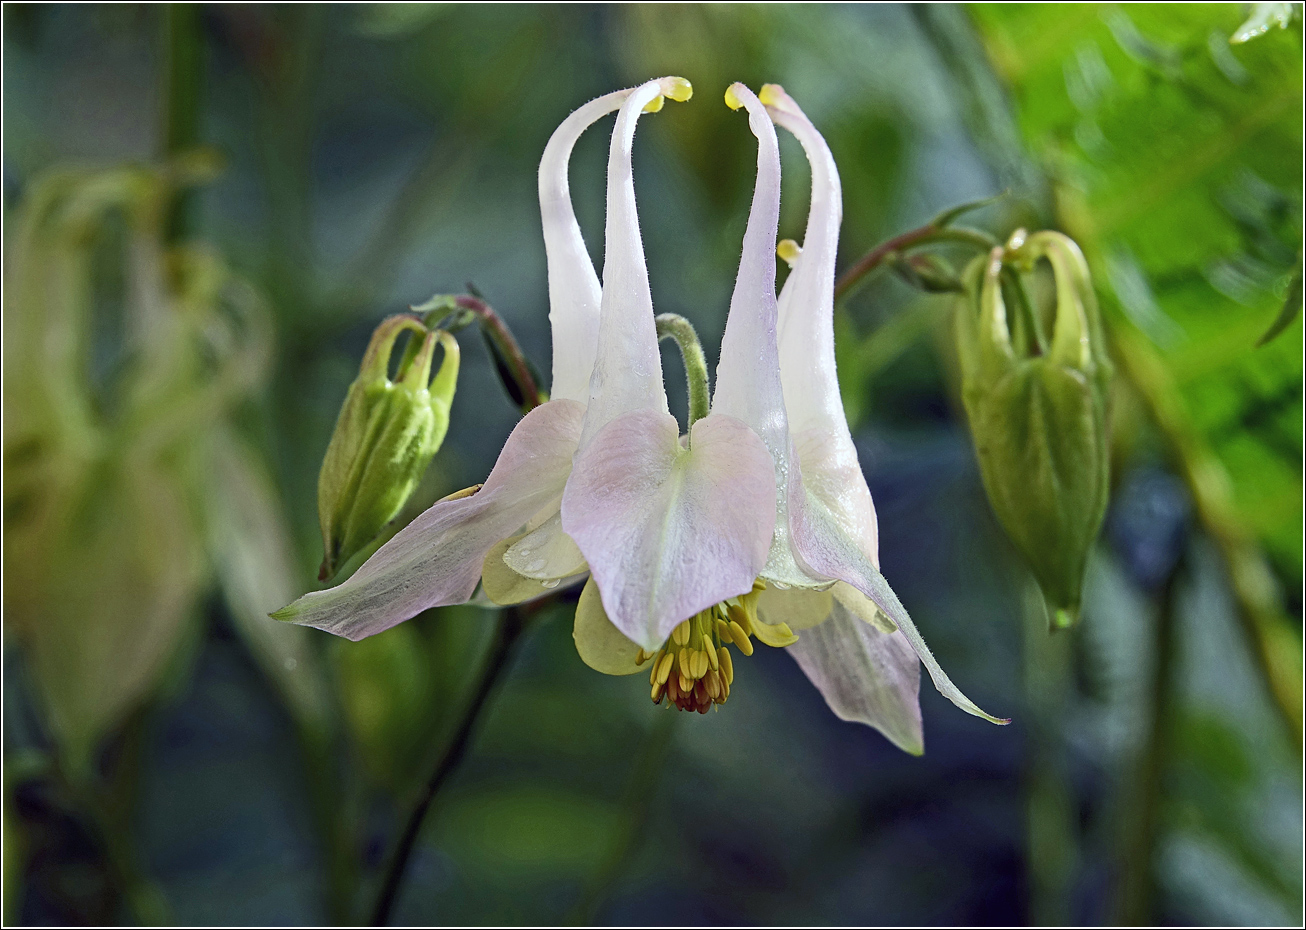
(436, 559)
(866, 676)
(667, 531)
(825, 548)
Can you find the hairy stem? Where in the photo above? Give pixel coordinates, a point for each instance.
(676, 327)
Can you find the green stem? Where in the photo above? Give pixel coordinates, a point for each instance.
(637, 799)
(924, 235)
(1139, 828)
(676, 327)
(182, 80)
(1051, 849)
(508, 631)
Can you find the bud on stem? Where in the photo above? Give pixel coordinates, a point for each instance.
(1038, 415)
(387, 433)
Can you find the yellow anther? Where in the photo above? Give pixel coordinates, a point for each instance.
(657, 692)
(713, 684)
(681, 633)
(771, 95)
(700, 664)
(677, 88)
(654, 105)
(740, 638)
(789, 251)
(686, 684)
(685, 668)
(664, 668)
(710, 652)
(723, 630)
(727, 665)
(641, 657)
(732, 101)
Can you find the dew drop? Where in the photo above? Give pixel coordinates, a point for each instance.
(550, 583)
(781, 585)
(535, 566)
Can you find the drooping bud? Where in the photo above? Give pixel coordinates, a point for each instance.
(1038, 414)
(387, 433)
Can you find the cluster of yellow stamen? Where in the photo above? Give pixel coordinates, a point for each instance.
(693, 669)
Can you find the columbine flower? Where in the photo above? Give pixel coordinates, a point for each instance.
(684, 554)
(437, 559)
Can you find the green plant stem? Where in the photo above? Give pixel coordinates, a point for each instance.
(637, 801)
(1274, 645)
(182, 84)
(1051, 849)
(675, 327)
(507, 633)
(1139, 827)
(924, 235)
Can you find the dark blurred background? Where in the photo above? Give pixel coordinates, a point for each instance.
(208, 209)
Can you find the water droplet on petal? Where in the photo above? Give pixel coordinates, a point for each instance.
(535, 566)
(550, 583)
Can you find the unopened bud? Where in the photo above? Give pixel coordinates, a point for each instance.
(1038, 419)
(387, 433)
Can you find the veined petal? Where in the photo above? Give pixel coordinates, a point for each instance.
(574, 292)
(437, 559)
(748, 382)
(866, 676)
(668, 531)
(601, 645)
(825, 549)
(627, 367)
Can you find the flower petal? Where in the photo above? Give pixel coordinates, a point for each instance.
(806, 327)
(801, 608)
(601, 645)
(824, 548)
(437, 559)
(669, 531)
(628, 367)
(748, 385)
(866, 676)
(503, 586)
(574, 292)
(546, 553)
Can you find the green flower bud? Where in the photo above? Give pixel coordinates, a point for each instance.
(386, 435)
(1038, 414)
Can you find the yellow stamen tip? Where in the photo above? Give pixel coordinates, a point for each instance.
(733, 101)
(677, 88)
(771, 95)
(789, 251)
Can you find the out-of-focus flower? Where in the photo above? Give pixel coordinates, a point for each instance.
(437, 559)
(126, 485)
(386, 435)
(1038, 416)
